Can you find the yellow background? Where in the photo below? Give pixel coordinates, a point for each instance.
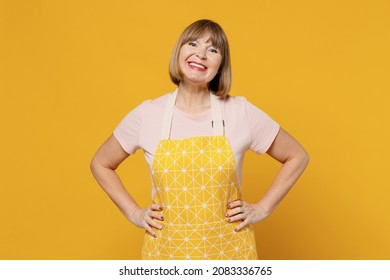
(71, 70)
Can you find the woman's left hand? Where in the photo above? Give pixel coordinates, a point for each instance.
(247, 213)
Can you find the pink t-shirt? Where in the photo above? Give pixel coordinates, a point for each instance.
(246, 127)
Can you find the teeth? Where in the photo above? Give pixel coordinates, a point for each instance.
(197, 65)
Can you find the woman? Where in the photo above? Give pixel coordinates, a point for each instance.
(194, 140)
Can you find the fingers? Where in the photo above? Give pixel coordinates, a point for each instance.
(236, 218)
(241, 225)
(236, 207)
(236, 203)
(150, 230)
(150, 217)
(155, 207)
(155, 215)
(154, 212)
(151, 223)
(240, 211)
(235, 211)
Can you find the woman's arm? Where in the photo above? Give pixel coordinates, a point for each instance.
(103, 166)
(294, 158)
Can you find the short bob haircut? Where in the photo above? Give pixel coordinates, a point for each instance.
(221, 83)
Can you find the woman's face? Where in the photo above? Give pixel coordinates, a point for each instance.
(199, 60)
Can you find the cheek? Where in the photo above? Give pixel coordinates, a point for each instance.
(181, 64)
(185, 52)
(181, 61)
(217, 65)
(183, 55)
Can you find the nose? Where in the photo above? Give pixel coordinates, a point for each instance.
(201, 54)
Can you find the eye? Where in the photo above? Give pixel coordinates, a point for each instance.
(214, 50)
(192, 44)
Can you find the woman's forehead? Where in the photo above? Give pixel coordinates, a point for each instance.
(207, 37)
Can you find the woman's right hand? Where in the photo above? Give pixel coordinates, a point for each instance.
(146, 218)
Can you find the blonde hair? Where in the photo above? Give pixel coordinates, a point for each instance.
(221, 83)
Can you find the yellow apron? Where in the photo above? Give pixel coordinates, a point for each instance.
(195, 179)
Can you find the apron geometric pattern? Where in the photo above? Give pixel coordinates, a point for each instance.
(195, 179)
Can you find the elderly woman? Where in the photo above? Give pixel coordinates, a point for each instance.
(194, 141)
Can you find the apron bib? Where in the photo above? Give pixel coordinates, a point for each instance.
(195, 179)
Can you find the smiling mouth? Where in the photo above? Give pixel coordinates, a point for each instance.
(197, 66)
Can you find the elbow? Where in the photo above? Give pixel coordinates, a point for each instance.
(305, 158)
(93, 165)
(98, 164)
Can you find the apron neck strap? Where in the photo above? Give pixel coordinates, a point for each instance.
(217, 122)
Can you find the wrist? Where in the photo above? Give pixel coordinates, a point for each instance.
(133, 214)
(264, 209)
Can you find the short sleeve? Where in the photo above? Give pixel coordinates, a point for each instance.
(129, 129)
(262, 128)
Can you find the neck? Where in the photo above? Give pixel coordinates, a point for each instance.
(193, 99)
